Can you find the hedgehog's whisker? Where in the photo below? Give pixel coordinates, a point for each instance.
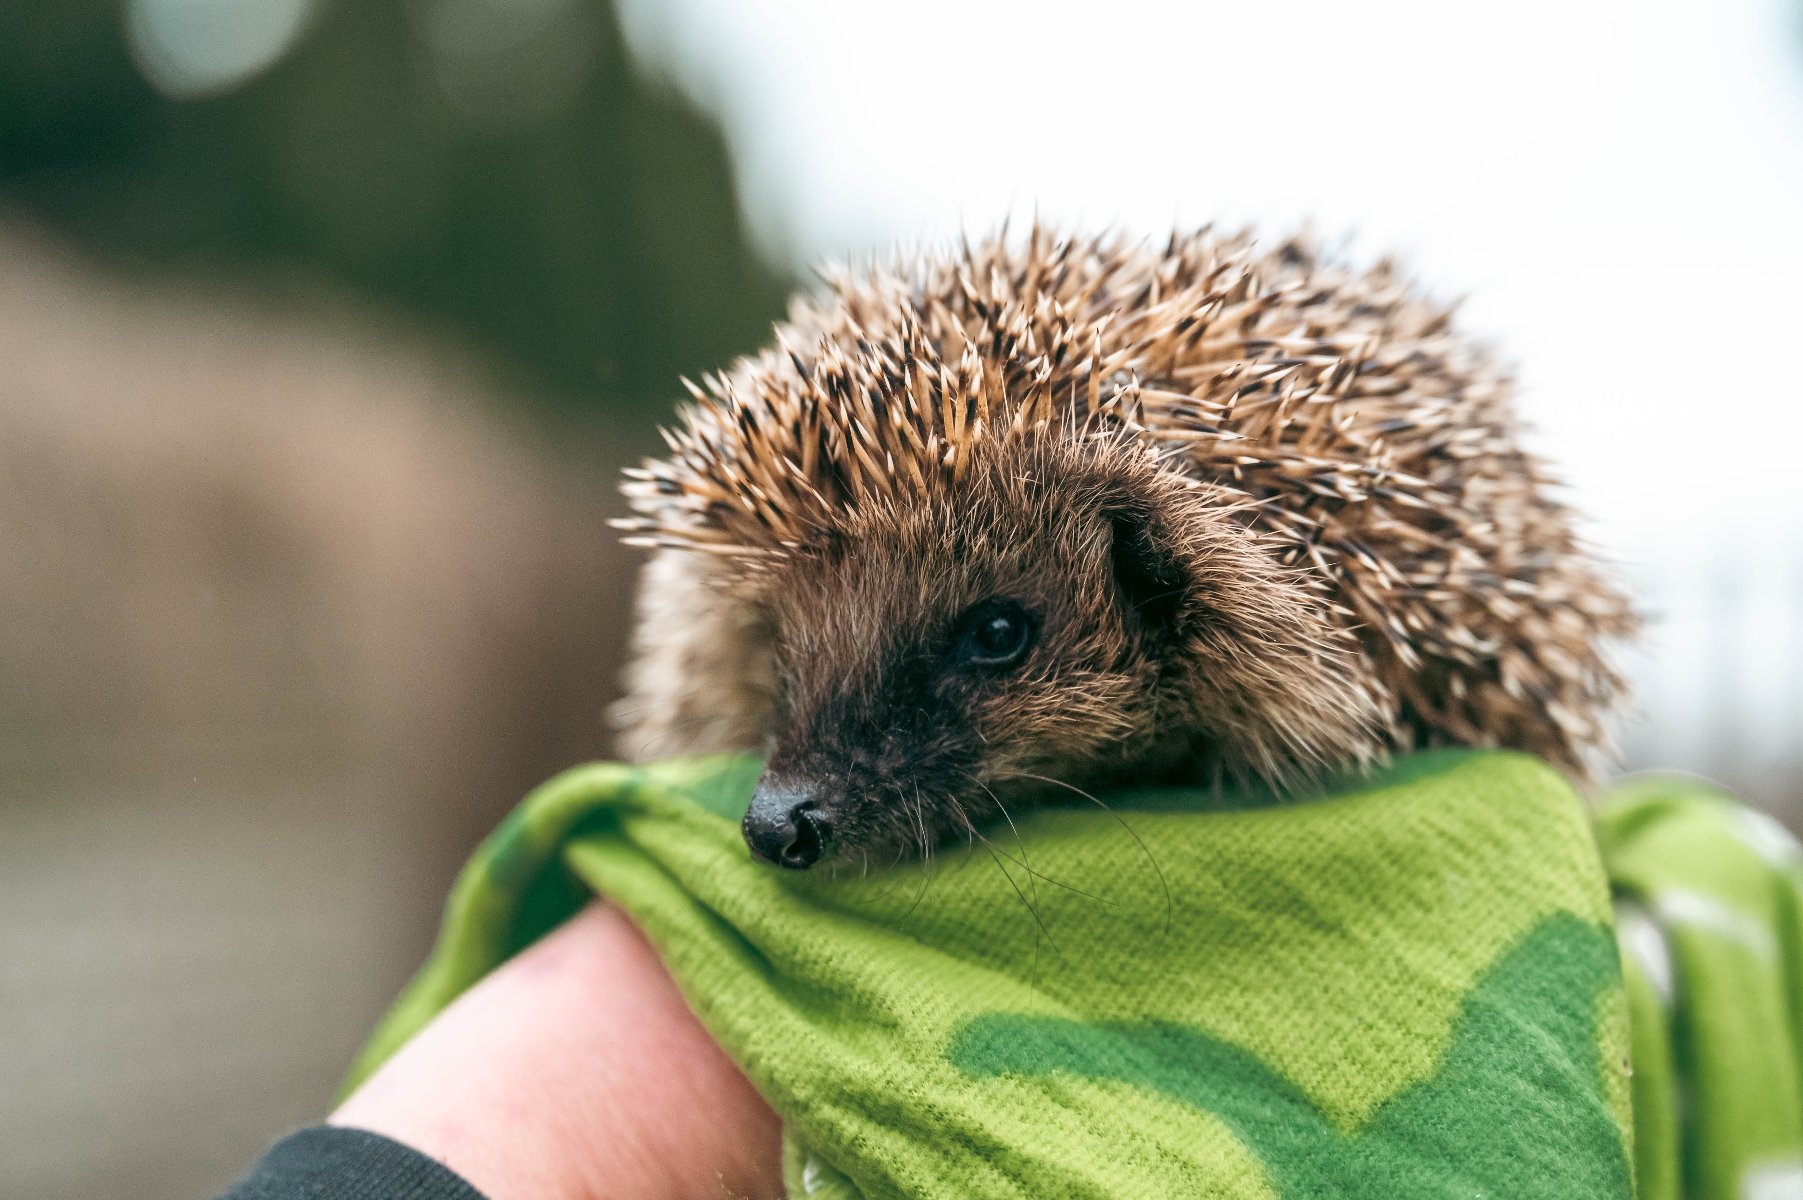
(970, 829)
(926, 873)
(997, 855)
(926, 842)
(1144, 849)
(1020, 842)
(1026, 865)
(1022, 861)
(973, 833)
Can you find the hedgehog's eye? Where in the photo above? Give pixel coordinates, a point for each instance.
(996, 633)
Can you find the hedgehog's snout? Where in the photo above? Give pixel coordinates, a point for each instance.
(786, 823)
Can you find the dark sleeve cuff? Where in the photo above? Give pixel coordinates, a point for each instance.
(328, 1163)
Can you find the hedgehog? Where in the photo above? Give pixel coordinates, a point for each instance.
(1022, 520)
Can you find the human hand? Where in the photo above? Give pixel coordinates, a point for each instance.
(575, 1072)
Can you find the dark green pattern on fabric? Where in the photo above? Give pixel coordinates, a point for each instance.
(1397, 988)
(1488, 1123)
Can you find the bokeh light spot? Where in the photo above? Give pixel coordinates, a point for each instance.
(194, 48)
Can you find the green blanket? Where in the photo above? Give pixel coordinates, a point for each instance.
(1710, 915)
(1409, 986)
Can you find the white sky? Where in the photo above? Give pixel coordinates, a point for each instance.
(1617, 187)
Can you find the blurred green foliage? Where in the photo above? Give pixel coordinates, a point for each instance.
(497, 167)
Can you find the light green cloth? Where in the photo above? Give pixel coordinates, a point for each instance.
(1710, 914)
(1406, 988)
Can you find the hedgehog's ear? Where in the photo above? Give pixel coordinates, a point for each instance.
(1153, 582)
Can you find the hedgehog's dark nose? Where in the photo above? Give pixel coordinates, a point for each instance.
(785, 824)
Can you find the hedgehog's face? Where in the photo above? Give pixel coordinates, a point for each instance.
(923, 682)
(1045, 633)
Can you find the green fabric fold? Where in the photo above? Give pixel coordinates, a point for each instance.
(1710, 899)
(1405, 986)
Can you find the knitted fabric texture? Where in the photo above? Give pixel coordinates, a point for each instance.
(1406, 986)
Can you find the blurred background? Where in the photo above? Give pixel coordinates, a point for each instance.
(326, 325)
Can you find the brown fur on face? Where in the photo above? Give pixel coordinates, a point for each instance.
(1265, 515)
(1144, 592)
